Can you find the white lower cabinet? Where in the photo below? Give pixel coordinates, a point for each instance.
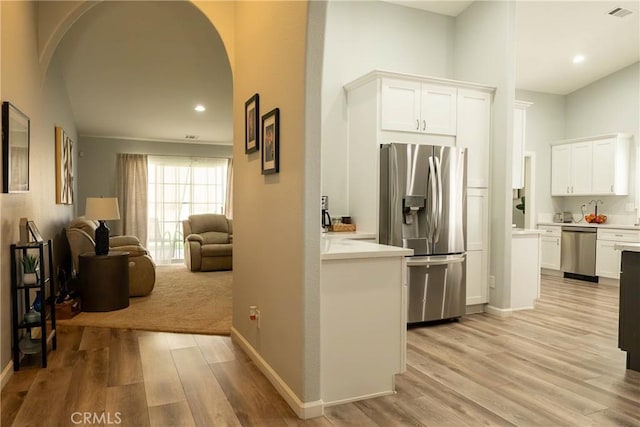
(550, 246)
(607, 260)
(477, 246)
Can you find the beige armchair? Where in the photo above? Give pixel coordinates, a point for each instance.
(208, 242)
(142, 270)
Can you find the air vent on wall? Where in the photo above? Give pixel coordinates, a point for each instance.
(191, 137)
(620, 12)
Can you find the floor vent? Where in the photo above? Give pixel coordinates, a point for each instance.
(191, 137)
(620, 12)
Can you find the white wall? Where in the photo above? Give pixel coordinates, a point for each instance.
(545, 123)
(609, 105)
(362, 36)
(46, 104)
(484, 53)
(270, 211)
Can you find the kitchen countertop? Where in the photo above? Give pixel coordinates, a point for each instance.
(525, 232)
(355, 235)
(332, 248)
(633, 247)
(584, 224)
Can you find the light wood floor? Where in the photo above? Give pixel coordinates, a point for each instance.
(555, 365)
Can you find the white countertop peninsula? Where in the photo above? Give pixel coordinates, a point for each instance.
(354, 235)
(517, 232)
(362, 319)
(345, 248)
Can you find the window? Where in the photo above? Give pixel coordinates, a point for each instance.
(179, 187)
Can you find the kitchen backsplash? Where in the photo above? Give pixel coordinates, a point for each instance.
(619, 210)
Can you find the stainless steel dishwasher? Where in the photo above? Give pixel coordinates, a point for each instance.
(578, 255)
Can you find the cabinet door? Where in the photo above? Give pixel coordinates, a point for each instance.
(400, 109)
(473, 133)
(519, 122)
(607, 259)
(438, 109)
(477, 246)
(604, 166)
(561, 170)
(581, 168)
(550, 252)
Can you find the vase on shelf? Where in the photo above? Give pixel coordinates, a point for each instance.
(37, 303)
(29, 278)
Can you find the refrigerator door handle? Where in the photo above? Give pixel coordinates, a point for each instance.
(439, 214)
(431, 221)
(435, 260)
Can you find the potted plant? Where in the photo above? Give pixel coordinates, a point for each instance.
(30, 266)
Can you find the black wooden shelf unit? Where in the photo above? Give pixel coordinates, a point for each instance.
(22, 299)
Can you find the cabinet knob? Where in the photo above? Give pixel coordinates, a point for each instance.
(568, 190)
(612, 188)
(424, 125)
(417, 124)
(572, 189)
(557, 242)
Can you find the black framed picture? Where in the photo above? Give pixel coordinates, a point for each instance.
(16, 130)
(35, 233)
(271, 142)
(251, 125)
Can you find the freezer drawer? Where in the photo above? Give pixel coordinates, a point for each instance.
(437, 287)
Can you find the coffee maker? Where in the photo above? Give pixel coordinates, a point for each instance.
(326, 218)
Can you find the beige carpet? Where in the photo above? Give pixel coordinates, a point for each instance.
(181, 301)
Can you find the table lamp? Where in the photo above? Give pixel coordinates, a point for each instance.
(102, 209)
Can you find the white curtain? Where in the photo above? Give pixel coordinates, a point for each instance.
(228, 202)
(131, 190)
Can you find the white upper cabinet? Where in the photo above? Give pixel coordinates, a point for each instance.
(611, 166)
(561, 170)
(591, 166)
(474, 134)
(410, 106)
(400, 109)
(519, 133)
(581, 167)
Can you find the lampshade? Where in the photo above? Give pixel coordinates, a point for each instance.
(102, 208)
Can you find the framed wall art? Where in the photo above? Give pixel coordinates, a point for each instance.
(16, 130)
(271, 142)
(251, 125)
(64, 167)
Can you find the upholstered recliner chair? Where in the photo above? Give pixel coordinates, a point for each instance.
(142, 270)
(208, 242)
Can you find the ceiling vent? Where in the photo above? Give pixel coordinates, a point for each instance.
(191, 137)
(620, 12)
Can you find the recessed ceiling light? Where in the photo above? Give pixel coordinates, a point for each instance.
(200, 108)
(578, 59)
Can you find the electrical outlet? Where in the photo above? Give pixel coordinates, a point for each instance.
(492, 282)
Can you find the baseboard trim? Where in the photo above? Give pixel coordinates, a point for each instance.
(7, 372)
(608, 281)
(303, 410)
(475, 308)
(356, 399)
(549, 272)
(502, 312)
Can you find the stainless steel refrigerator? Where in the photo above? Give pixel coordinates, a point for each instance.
(423, 207)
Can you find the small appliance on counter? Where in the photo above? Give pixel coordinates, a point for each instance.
(563, 217)
(326, 218)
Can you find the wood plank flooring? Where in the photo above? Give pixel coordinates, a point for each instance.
(557, 365)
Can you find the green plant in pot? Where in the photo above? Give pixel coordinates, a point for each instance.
(30, 266)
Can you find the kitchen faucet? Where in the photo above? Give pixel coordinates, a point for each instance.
(595, 202)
